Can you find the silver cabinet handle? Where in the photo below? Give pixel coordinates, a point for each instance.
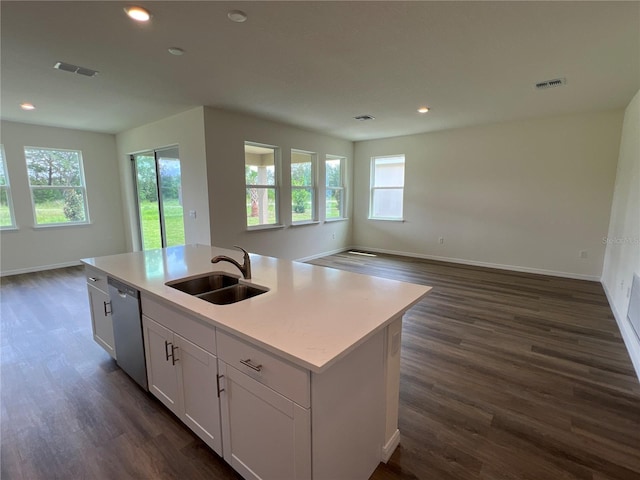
(94, 279)
(251, 365)
(173, 354)
(220, 390)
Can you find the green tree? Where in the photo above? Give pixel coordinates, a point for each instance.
(300, 177)
(73, 205)
(334, 179)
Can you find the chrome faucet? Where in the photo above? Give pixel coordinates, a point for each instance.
(245, 268)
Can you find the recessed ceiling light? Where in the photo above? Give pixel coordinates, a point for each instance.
(237, 16)
(139, 14)
(423, 109)
(27, 106)
(177, 51)
(364, 118)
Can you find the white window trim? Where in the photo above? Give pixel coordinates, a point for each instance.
(373, 188)
(312, 187)
(7, 188)
(275, 187)
(342, 188)
(83, 187)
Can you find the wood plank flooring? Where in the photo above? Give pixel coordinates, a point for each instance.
(504, 376)
(507, 375)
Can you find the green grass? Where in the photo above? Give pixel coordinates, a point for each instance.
(173, 220)
(332, 209)
(51, 212)
(331, 205)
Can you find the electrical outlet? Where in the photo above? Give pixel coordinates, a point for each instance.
(441, 240)
(333, 236)
(192, 213)
(583, 254)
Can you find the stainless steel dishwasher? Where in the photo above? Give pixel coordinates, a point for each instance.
(127, 331)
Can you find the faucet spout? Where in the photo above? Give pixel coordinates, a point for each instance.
(245, 268)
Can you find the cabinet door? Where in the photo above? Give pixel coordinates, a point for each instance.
(197, 380)
(265, 435)
(161, 371)
(101, 319)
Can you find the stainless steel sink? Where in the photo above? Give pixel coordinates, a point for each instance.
(203, 283)
(218, 288)
(232, 294)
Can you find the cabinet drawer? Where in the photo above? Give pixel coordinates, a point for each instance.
(96, 278)
(191, 328)
(278, 374)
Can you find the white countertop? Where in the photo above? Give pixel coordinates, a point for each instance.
(311, 315)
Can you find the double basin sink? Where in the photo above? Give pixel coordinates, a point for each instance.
(217, 288)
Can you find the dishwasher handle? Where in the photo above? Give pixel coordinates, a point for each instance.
(123, 289)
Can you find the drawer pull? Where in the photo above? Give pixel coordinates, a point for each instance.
(251, 365)
(94, 279)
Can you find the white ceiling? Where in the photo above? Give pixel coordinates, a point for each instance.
(318, 64)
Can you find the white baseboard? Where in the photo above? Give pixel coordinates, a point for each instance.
(631, 340)
(323, 254)
(390, 447)
(42, 268)
(499, 266)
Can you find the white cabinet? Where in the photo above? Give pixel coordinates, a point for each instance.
(182, 375)
(100, 306)
(269, 418)
(197, 383)
(265, 435)
(161, 370)
(265, 409)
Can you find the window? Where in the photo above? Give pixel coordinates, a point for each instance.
(58, 190)
(261, 180)
(387, 187)
(303, 186)
(6, 207)
(335, 193)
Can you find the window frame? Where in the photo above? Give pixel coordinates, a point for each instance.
(341, 188)
(82, 187)
(7, 189)
(313, 187)
(373, 188)
(275, 187)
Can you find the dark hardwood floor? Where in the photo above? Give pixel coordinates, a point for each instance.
(504, 376)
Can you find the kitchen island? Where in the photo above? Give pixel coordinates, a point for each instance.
(299, 382)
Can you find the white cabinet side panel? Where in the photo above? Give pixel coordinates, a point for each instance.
(348, 414)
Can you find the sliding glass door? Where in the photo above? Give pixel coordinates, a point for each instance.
(159, 197)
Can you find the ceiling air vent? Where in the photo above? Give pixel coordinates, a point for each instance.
(67, 67)
(556, 82)
(362, 118)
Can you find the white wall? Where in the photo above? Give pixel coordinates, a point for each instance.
(526, 195)
(187, 131)
(28, 248)
(622, 256)
(226, 133)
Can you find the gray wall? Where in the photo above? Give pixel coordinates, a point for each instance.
(526, 195)
(225, 134)
(30, 248)
(186, 130)
(622, 257)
